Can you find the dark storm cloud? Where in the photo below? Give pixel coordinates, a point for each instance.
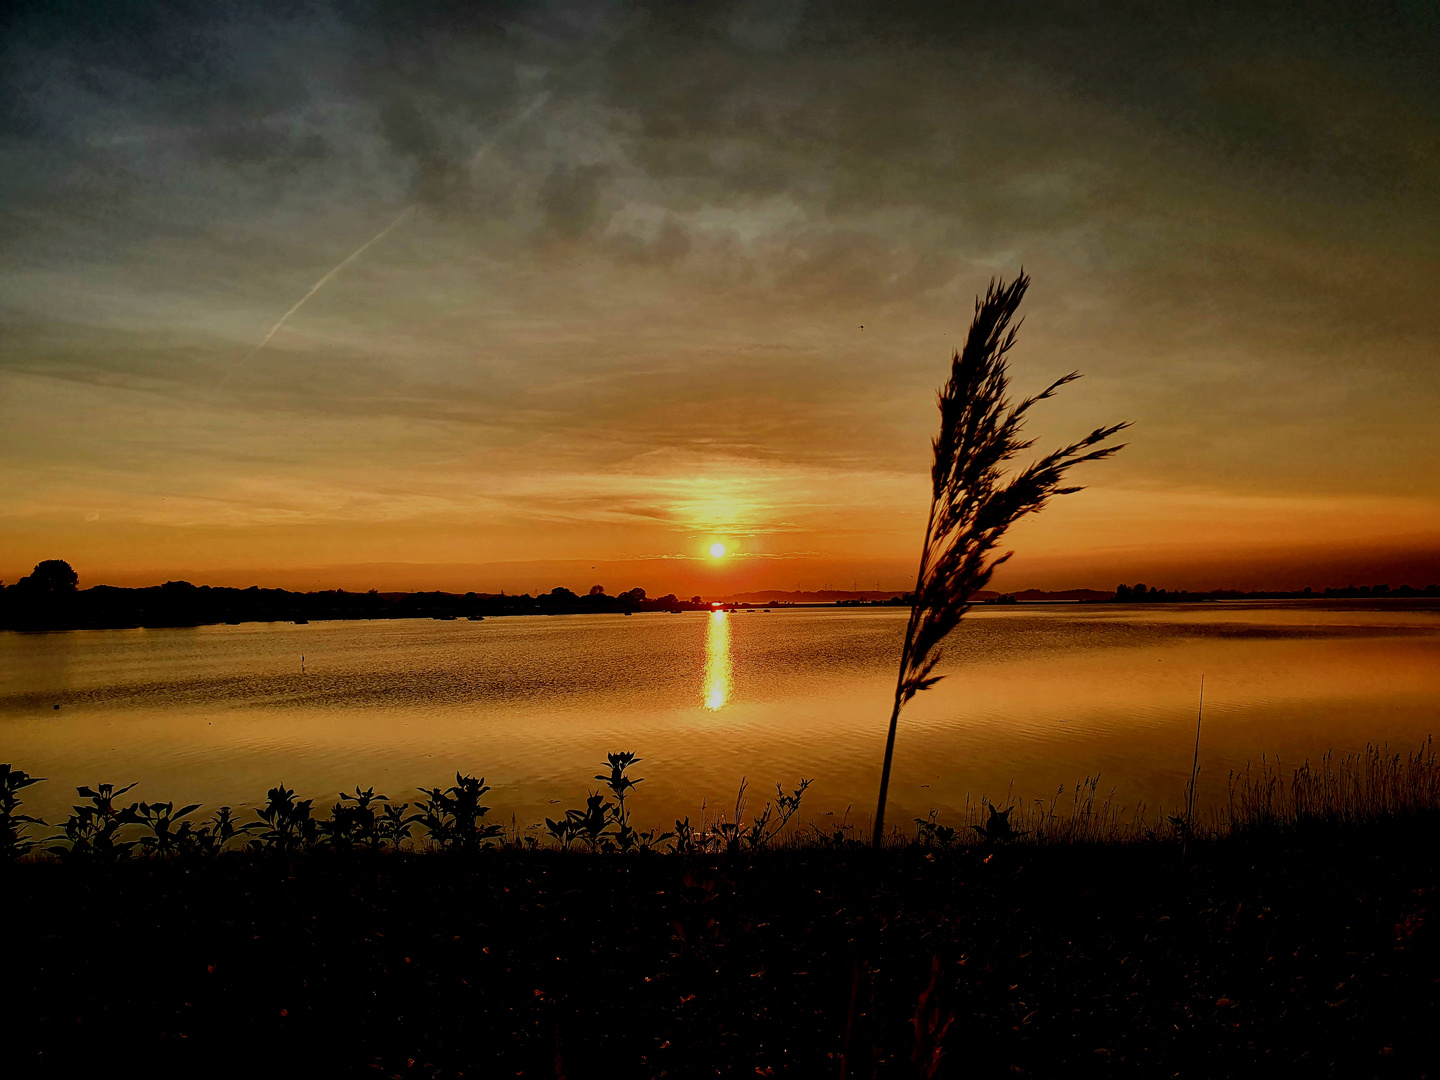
(111, 105)
(950, 107)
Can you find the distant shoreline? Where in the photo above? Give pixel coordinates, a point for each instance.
(49, 598)
(178, 605)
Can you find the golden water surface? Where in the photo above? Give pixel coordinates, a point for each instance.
(1036, 697)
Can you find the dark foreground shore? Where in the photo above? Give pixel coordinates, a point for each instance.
(1305, 953)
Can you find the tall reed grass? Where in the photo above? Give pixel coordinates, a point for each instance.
(974, 496)
(1371, 785)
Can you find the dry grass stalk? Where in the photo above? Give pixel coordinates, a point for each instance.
(1371, 785)
(973, 502)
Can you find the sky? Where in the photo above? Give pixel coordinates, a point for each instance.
(639, 278)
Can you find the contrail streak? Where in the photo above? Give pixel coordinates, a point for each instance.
(510, 125)
(340, 266)
(475, 159)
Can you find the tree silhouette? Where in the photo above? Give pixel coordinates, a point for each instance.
(51, 576)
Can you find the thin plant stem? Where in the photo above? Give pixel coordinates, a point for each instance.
(905, 651)
(1194, 774)
(1195, 764)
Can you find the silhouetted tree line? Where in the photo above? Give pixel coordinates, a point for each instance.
(1143, 594)
(49, 598)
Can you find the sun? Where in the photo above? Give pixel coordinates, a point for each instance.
(717, 551)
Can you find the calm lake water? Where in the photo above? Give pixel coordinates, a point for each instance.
(1037, 697)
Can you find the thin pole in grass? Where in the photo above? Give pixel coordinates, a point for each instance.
(972, 501)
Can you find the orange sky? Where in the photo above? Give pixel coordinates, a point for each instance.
(622, 316)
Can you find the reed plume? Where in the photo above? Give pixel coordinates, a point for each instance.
(973, 502)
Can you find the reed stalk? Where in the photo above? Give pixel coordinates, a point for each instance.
(973, 502)
(1195, 761)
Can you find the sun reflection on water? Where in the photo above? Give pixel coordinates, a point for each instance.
(717, 661)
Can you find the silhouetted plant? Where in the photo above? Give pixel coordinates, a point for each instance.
(733, 835)
(772, 820)
(14, 825)
(729, 833)
(563, 830)
(688, 840)
(625, 837)
(620, 785)
(433, 815)
(166, 836)
(1180, 828)
(590, 823)
(651, 839)
(211, 837)
(285, 823)
(455, 818)
(930, 833)
(92, 827)
(353, 821)
(393, 826)
(972, 504)
(997, 827)
(837, 834)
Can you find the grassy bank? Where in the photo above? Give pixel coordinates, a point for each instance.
(1307, 950)
(1292, 932)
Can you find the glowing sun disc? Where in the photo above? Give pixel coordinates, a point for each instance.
(717, 550)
